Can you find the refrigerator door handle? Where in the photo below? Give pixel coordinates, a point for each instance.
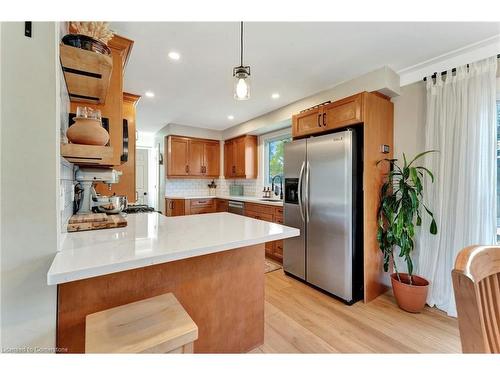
(308, 171)
(299, 190)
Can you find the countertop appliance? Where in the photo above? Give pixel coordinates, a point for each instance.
(87, 178)
(236, 207)
(323, 198)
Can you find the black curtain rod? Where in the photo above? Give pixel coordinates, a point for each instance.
(453, 71)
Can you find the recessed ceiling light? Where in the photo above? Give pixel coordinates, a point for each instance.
(174, 55)
(275, 95)
(150, 94)
(230, 117)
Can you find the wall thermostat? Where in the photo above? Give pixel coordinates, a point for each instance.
(384, 149)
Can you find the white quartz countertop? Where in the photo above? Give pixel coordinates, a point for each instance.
(151, 238)
(240, 198)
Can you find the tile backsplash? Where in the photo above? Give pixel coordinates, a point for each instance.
(66, 182)
(189, 187)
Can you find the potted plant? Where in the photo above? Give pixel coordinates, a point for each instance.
(400, 211)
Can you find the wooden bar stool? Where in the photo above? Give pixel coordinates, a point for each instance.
(476, 282)
(154, 325)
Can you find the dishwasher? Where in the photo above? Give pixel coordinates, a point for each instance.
(236, 207)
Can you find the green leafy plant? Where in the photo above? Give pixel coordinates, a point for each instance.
(401, 204)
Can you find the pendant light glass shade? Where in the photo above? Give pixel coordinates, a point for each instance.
(241, 76)
(242, 83)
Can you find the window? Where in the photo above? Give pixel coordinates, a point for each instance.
(274, 155)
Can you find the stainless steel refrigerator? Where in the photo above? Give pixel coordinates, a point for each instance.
(323, 198)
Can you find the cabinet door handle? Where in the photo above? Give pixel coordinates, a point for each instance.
(319, 118)
(324, 119)
(187, 168)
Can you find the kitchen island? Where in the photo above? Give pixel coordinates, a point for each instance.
(213, 263)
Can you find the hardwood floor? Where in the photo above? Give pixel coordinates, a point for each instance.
(299, 319)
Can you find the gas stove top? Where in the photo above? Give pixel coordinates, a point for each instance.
(138, 208)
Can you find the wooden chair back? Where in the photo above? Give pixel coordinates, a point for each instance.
(476, 282)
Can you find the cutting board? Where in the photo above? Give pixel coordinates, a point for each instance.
(82, 222)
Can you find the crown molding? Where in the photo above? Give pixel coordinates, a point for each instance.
(462, 56)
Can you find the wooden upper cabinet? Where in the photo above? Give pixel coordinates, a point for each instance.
(229, 168)
(178, 157)
(196, 158)
(240, 157)
(211, 156)
(339, 114)
(192, 157)
(343, 112)
(308, 122)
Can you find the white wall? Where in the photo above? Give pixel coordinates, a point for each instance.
(384, 80)
(29, 186)
(409, 120)
(145, 139)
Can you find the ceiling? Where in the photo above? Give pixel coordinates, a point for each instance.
(291, 58)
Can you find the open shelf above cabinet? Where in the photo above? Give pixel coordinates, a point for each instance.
(87, 154)
(87, 74)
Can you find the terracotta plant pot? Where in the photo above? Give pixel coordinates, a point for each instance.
(412, 297)
(87, 131)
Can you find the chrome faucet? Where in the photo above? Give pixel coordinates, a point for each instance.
(274, 188)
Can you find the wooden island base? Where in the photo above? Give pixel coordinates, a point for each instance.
(222, 292)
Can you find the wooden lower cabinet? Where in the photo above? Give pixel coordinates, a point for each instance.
(221, 205)
(274, 249)
(200, 206)
(174, 207)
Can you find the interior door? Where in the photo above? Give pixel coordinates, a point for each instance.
(329, 206)
(141, 173)
(294, 249)
(196, 160)
(178, 157)
(211, 157)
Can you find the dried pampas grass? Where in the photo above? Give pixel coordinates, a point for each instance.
(96, 29)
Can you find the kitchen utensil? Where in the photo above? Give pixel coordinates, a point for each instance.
(87, 43)
(111, 205)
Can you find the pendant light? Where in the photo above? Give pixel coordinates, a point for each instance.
(241, 75)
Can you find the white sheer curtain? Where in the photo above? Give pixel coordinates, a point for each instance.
(461, 125)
